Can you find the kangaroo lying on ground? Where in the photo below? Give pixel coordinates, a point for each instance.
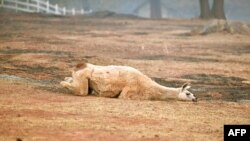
(121, 82)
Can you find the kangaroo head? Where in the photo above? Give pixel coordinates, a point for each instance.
(184, 94)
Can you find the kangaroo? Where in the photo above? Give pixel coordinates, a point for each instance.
(121, 82)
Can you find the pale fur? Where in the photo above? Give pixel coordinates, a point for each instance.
(121, 81)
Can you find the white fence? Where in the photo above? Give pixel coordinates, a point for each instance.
(39, 6)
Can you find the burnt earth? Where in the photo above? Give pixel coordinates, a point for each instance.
(37, 52)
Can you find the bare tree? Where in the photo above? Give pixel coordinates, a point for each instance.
(217, 10)
(155, 9)
(204, 9)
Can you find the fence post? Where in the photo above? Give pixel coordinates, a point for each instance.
(16, 5)
(47, 7)
(64, 11)
(82, 11)
(28, 7)
(37, 6)
(73, 11)
(56, 8)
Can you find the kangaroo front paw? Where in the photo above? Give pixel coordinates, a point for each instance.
(64, 83)
(68, 79)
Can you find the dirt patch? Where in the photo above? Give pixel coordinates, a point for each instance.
(239, 50)
(20, 61)
(215, 79)
(220, 87)
(109, 14)
(9, 50)
(213, 87)
(224, 26)
(177, 58)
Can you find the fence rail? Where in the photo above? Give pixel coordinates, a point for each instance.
(39, 6)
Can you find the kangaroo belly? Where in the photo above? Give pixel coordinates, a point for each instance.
(106, 83)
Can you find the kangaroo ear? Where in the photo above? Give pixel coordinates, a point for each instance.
(80, 66)
(185, 86)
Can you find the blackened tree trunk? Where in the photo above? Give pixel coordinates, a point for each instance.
(218, 9)
(155, 9)
(204, 9)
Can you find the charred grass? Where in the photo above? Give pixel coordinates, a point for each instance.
(213, 87)
(207, 87)
(43, 76)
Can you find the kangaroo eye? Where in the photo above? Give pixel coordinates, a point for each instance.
(187, 94)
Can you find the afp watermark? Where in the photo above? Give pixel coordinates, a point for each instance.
(236, 132)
